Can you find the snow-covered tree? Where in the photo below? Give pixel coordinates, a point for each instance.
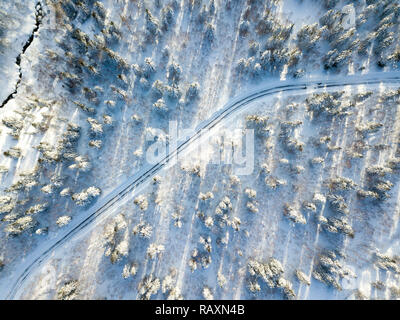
(63, 221)
(86, 196)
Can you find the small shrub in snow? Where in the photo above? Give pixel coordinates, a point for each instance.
(157, 179)
(160, 105)
(317, 160)
(224, 206)
(293, 214)
(86, 109)
(207, 293)
(107, 120)
(68, 291)
(63, 221)
(234, 180)
(209, 222)
(221, 279)
(95, 144)
(174, 294)
(38, 208)
(65, 192)
(86, 196)
(254, 286)
(252, 207)
(273, 182)
(193, 91)
(154, 249)
(309, 206)
(251, 193)
(265, 168)
(294, 145)
(341, 183)
(50, 154)
(81, 163)
(368, 127)
(136, 118)
(129, 270)
(143, 229)
(96, 128)
(168, 286)
(243, 65)
(302, 277)
(193, 260)
(206, 196)
(48, 189)
(284, 161)
(142, 202)
(297, 169)
(235, 223)
(206, 242)
(42, 231)
(148, 286)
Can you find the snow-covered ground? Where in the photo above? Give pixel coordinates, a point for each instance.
(100, 77)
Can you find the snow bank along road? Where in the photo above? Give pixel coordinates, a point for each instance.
(103, 208)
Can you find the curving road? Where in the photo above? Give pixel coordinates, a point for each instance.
(10, 287)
